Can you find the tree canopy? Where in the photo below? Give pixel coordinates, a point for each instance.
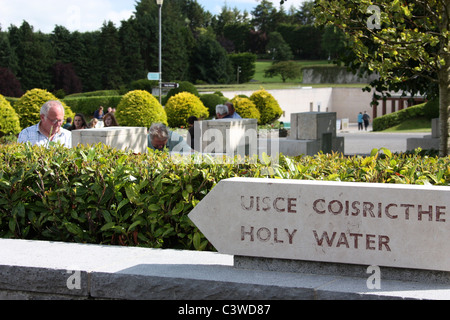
(116, 55)
(407, 43)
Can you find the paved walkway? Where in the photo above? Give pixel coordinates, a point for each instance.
(363, 142)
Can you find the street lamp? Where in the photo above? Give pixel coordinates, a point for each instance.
(160, 4)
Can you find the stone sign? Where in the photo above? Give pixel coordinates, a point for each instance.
(405, 226)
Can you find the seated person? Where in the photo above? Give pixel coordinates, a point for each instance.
(221, 111)
(68, 123)
(161, 138)
(93, 123)
(79, 123)
(232, 114)
(109, 120)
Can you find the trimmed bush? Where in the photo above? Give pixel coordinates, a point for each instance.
(140, 109)
(183, 105)
(9, 120)
(211, 100)
(390, 120)
(106, 196)
(246, 108)
(431, 109)
(267, 105)
(185, 86)
(28, 107)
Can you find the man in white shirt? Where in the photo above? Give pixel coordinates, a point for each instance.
(49, 128)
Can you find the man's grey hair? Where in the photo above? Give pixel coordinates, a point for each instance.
(50, 104)
(159, 131)
(222, 109)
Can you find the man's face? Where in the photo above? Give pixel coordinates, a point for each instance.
(158, 143)
(53, 121)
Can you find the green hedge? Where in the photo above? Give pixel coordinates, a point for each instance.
(104, 196)
(390, 120)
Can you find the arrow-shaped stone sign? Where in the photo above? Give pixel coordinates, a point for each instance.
(406, 226)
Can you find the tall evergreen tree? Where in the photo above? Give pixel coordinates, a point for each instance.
(35, 56)
(131, 58)
(110, 57)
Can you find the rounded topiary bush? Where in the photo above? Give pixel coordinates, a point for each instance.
(267, 105)
(431, 109)
(211, 100)
(9, 120)
(246, 108)
(184, 86)
(140, 109)
(183, 105)
(28, 107)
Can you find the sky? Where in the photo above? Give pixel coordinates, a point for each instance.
(89, 15)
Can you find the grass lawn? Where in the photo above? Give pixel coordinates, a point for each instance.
(412, 125)
(273, 83)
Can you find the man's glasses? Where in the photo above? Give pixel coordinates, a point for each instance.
(56, 121)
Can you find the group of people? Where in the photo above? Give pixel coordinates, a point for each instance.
(363, 121)
(51, 128)
(79, 122)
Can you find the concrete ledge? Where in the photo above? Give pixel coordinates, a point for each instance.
(49, 270)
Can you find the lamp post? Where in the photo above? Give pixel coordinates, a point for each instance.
(160, 4)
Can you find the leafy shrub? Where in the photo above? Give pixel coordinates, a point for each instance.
(143, 84)
(140, 109)
(105, 196)
(211, 100)
(431, 109)
(246, 62)
(99, 93)
(184, 86)
(9, 120)
(183, 105)
(267, 105)
(390, 120)
(246, 108)
(28, 107)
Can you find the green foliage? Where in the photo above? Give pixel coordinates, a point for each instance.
(28, 107)
(143, 84)
(210, 62)
(140, 109)
(183, 105)
(431, 109)
(211, 100)
(395, 118)
(246, 62)
(9, 120)
(246, 108)
(184, 86)
(267, 105)
(101, 195)
(285, 69)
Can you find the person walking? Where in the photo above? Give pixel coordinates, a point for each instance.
(360, 122)
(366, 119)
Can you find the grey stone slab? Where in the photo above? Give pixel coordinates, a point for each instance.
(39, 270)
